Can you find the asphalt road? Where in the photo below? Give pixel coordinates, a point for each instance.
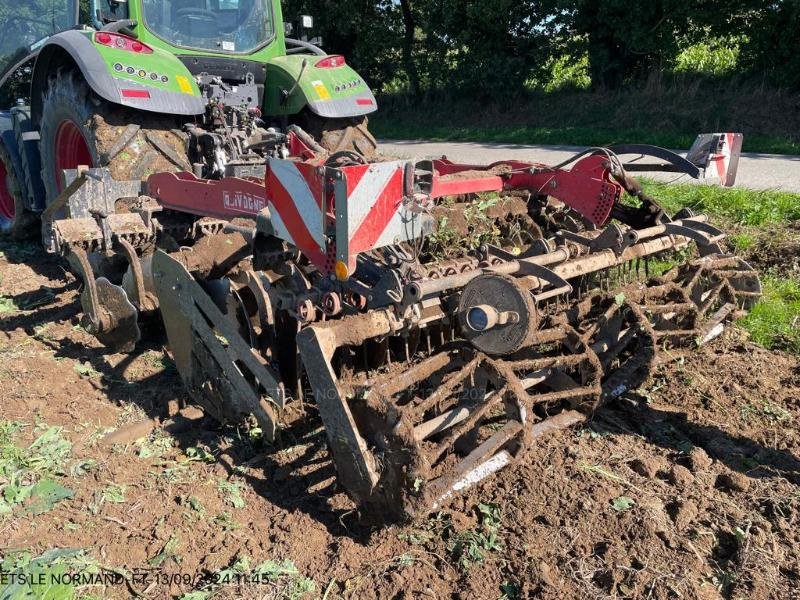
(756, 171)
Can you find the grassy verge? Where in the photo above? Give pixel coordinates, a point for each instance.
(566, 136)
(668, 113)
(737, 206)
(775, 322)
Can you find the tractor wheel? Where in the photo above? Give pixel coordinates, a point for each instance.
(336, 135)
(78, 128)
(15, 220)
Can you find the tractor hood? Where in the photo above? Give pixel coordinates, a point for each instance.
(25, 30)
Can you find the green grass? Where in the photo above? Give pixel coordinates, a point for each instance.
(566, 136)
(736, 205)
(775, 321)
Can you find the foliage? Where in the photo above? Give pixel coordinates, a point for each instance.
(622, 503)
(42, 577)
(489, 49)
(567, 72)
(775, 321)
(23, 25)
(7, 305)
(233, 493)
(742, 206)
(713, 57)
(472, 546)
(282, 575)
(29, 476)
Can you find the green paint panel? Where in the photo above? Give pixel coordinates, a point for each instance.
(160, 70)
(315, 83)
(164, 71)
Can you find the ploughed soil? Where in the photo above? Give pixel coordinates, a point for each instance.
(688, 488)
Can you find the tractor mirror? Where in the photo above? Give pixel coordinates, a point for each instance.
(288, 29)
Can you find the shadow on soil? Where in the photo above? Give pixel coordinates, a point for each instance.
(673, 431)
(30, 253)
(287, 482)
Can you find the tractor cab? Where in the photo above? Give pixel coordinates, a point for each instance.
(216, 26)
(227, 26)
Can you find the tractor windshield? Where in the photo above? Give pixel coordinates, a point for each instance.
(230, 26)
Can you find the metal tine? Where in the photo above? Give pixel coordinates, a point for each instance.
(476, 466)
(466, 425)
(444, 390)
(446, 420)
(608, 357)
(420, 372)
(712, 296)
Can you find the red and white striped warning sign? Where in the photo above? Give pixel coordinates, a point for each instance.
(296, 199)
(726, 161)
(368, 205)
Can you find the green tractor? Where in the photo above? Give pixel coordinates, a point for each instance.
(144, 86)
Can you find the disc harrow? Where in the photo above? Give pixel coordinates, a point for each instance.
(435, 357)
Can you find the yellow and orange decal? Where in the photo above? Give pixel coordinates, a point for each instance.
(184, 84)
(321, 90)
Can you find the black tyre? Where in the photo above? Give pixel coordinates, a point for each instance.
(337, 135)
(79, 128)
(15, 219)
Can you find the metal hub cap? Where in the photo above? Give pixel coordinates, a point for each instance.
(71, 150)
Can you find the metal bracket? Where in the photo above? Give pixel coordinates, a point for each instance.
(706, 236)
(673, 163)
(611, 238)
(89, 194)
(99, 192)
(558, 285)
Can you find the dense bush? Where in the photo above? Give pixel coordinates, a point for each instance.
(504, 47)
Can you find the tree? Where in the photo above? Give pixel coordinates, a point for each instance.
(409, 32)
(627, 40)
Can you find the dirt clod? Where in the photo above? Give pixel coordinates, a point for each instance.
(648, 467)
(680, 476)
(699, 460)
(685, 512)
(734, 482)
